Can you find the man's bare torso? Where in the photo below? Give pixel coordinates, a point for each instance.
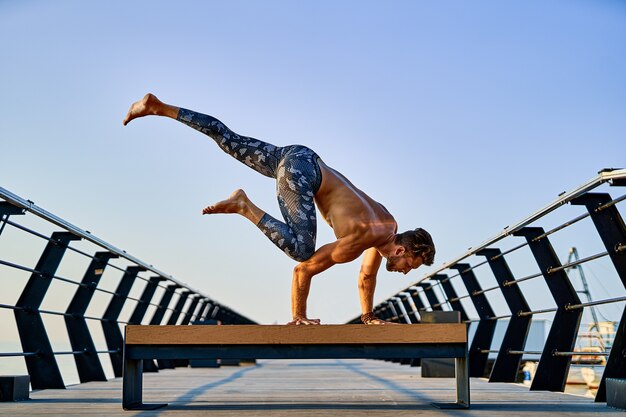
(352, 213)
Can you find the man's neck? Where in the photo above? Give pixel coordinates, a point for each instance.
(387, 248)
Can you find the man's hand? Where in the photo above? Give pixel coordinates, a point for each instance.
(304, 321)
(380, 322)
(370, 318)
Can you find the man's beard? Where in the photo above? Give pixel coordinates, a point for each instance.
(392, 262)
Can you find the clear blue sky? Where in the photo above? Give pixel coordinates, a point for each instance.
(460, 117)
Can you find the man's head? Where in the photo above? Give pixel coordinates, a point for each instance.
(414, 248)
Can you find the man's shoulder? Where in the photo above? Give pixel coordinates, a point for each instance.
(365, 236)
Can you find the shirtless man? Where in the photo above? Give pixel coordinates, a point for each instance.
(302, 178)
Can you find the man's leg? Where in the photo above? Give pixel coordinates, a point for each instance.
(295, 169)
(261, 156)
(298, 179)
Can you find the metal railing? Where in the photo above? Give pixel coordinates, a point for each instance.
(183, 303)
(559, 347)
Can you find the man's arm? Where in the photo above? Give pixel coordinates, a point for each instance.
(367, 282)
(367, 279)
(340, 251)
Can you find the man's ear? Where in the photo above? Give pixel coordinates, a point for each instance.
(400, 251)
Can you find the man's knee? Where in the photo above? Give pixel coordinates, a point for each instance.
(302, 253)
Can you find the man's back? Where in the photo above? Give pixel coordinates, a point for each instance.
(351, 212)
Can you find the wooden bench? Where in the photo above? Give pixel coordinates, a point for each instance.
(350, 341)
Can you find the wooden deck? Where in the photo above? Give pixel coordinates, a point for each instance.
(303, 388)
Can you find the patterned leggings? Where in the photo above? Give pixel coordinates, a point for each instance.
(297, 174)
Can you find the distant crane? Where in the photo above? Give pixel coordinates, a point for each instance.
(573, 253)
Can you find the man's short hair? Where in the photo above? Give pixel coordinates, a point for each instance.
(419, 243)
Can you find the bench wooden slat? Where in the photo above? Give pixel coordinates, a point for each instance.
(295, 335)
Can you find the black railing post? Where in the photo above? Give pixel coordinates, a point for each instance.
(219, 313)
(205, 310)
(6, 210)
(378, 312)
(506, 366)
(434, 302)
(425, 303)
(612, 231)
(385, 312)
(394, 316)
(455, 304)
(110, 325)
(192, 308)
(159, 313)
(157, 317)
(404, 297)
(178, 309)
(417, 300)
(403, 314)
(227, 317)
(610, 226)
(88, 364)
(486, 326)
(201, 307)
(186, 319)
(551, 373)
(182, 299)
(144, 301)
(42, 368)
(214, 312)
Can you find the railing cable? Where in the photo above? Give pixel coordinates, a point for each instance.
(594, 303)
(578, 262)
(516, 281)
(530, 313)
(610, 203)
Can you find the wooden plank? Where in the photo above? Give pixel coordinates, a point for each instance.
(281, 334)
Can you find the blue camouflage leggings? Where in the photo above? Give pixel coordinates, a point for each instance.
(297, 174)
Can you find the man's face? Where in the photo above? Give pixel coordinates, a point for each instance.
(403, 263)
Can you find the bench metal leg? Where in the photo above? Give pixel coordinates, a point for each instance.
(462, 386)
(132, 386)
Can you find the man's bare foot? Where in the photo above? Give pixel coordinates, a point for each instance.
(148, 105)
(236, 203)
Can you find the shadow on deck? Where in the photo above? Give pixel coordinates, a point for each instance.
(299, 388)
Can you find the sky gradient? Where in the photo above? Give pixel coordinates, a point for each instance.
(459, 117)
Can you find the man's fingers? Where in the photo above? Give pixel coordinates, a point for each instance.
(381, 322)
(309, 322)
(305, 322)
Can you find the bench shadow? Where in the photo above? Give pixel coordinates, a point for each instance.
(528, 407)
(409, 393)
(248, 406)
(71, 401)
(544, 407)
(203, 388)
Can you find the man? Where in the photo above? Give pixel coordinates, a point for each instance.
(303, 180)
